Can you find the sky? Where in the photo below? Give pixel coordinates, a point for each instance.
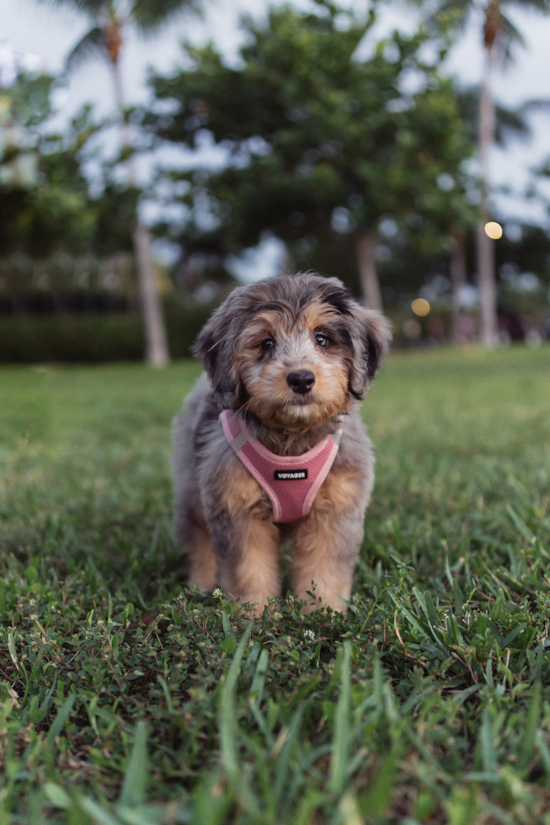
(45, 35)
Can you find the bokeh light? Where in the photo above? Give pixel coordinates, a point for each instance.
(493, 230)
(420, 306)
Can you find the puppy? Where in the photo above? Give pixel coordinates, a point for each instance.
(270, 445)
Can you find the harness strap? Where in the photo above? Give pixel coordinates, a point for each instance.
(238, 442)
(291, 482)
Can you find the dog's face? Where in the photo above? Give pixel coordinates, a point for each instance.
(293, 350)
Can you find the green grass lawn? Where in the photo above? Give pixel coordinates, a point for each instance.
(129, 699)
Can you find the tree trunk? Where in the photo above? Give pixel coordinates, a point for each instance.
(458, 280)
(156, 347)
(124, 127)
(156, 342)
(288, 264)
(365, 246)
(485, 245)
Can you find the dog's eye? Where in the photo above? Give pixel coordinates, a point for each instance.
(267, 343)
(321, 339)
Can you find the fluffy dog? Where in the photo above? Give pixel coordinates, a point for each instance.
(292, 355)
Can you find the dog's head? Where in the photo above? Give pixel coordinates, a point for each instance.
(295, 350)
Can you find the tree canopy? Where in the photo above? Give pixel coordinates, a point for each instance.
(322, 135)
(52, 208)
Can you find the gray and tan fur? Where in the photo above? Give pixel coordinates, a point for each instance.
(302, 325)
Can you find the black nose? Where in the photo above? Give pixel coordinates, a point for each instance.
(300, 381)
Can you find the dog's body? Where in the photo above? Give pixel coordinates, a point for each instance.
(291, 354)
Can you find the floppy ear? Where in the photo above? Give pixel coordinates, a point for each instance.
(371, 335)
(214, 347)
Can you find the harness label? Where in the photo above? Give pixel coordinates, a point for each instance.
(290, 475)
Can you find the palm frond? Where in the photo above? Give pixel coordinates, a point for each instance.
(536, 105)
(150, 15)
(510, 37)
(91, 45)
(467, 99)
(91, 7)
(446, 14)
(509, 123)
(511, 31)
(536, 5)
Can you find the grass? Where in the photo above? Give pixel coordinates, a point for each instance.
(127, 698)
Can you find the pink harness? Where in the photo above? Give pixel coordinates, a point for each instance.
(291, 482)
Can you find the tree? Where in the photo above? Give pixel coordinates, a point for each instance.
(508, 123)
(317, 140)
(110, 19)
(44, 201)
(500, 35)
(51, 225)
(24, 106)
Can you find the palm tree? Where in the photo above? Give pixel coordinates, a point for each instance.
(508, 123)
(110, 20)
(500, 36)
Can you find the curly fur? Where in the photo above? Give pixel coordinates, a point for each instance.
(223, 517)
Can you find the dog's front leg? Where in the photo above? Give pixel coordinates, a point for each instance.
(248, 561)
(245, 540)
(328, 540)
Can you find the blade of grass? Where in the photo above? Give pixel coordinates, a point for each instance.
(166, 691)
(376, 799)
(283, 758)
(227, 721)
(527, 746)
(98, 814)
(487, 744)
(59, 721)
(257, 687)
(519, 524)
(135, 779)
(341, 735)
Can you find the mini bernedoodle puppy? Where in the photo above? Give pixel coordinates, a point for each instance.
(270, 445)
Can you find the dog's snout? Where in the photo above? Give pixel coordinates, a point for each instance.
(300, 381)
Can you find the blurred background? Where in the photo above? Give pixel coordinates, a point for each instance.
(156, 153)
